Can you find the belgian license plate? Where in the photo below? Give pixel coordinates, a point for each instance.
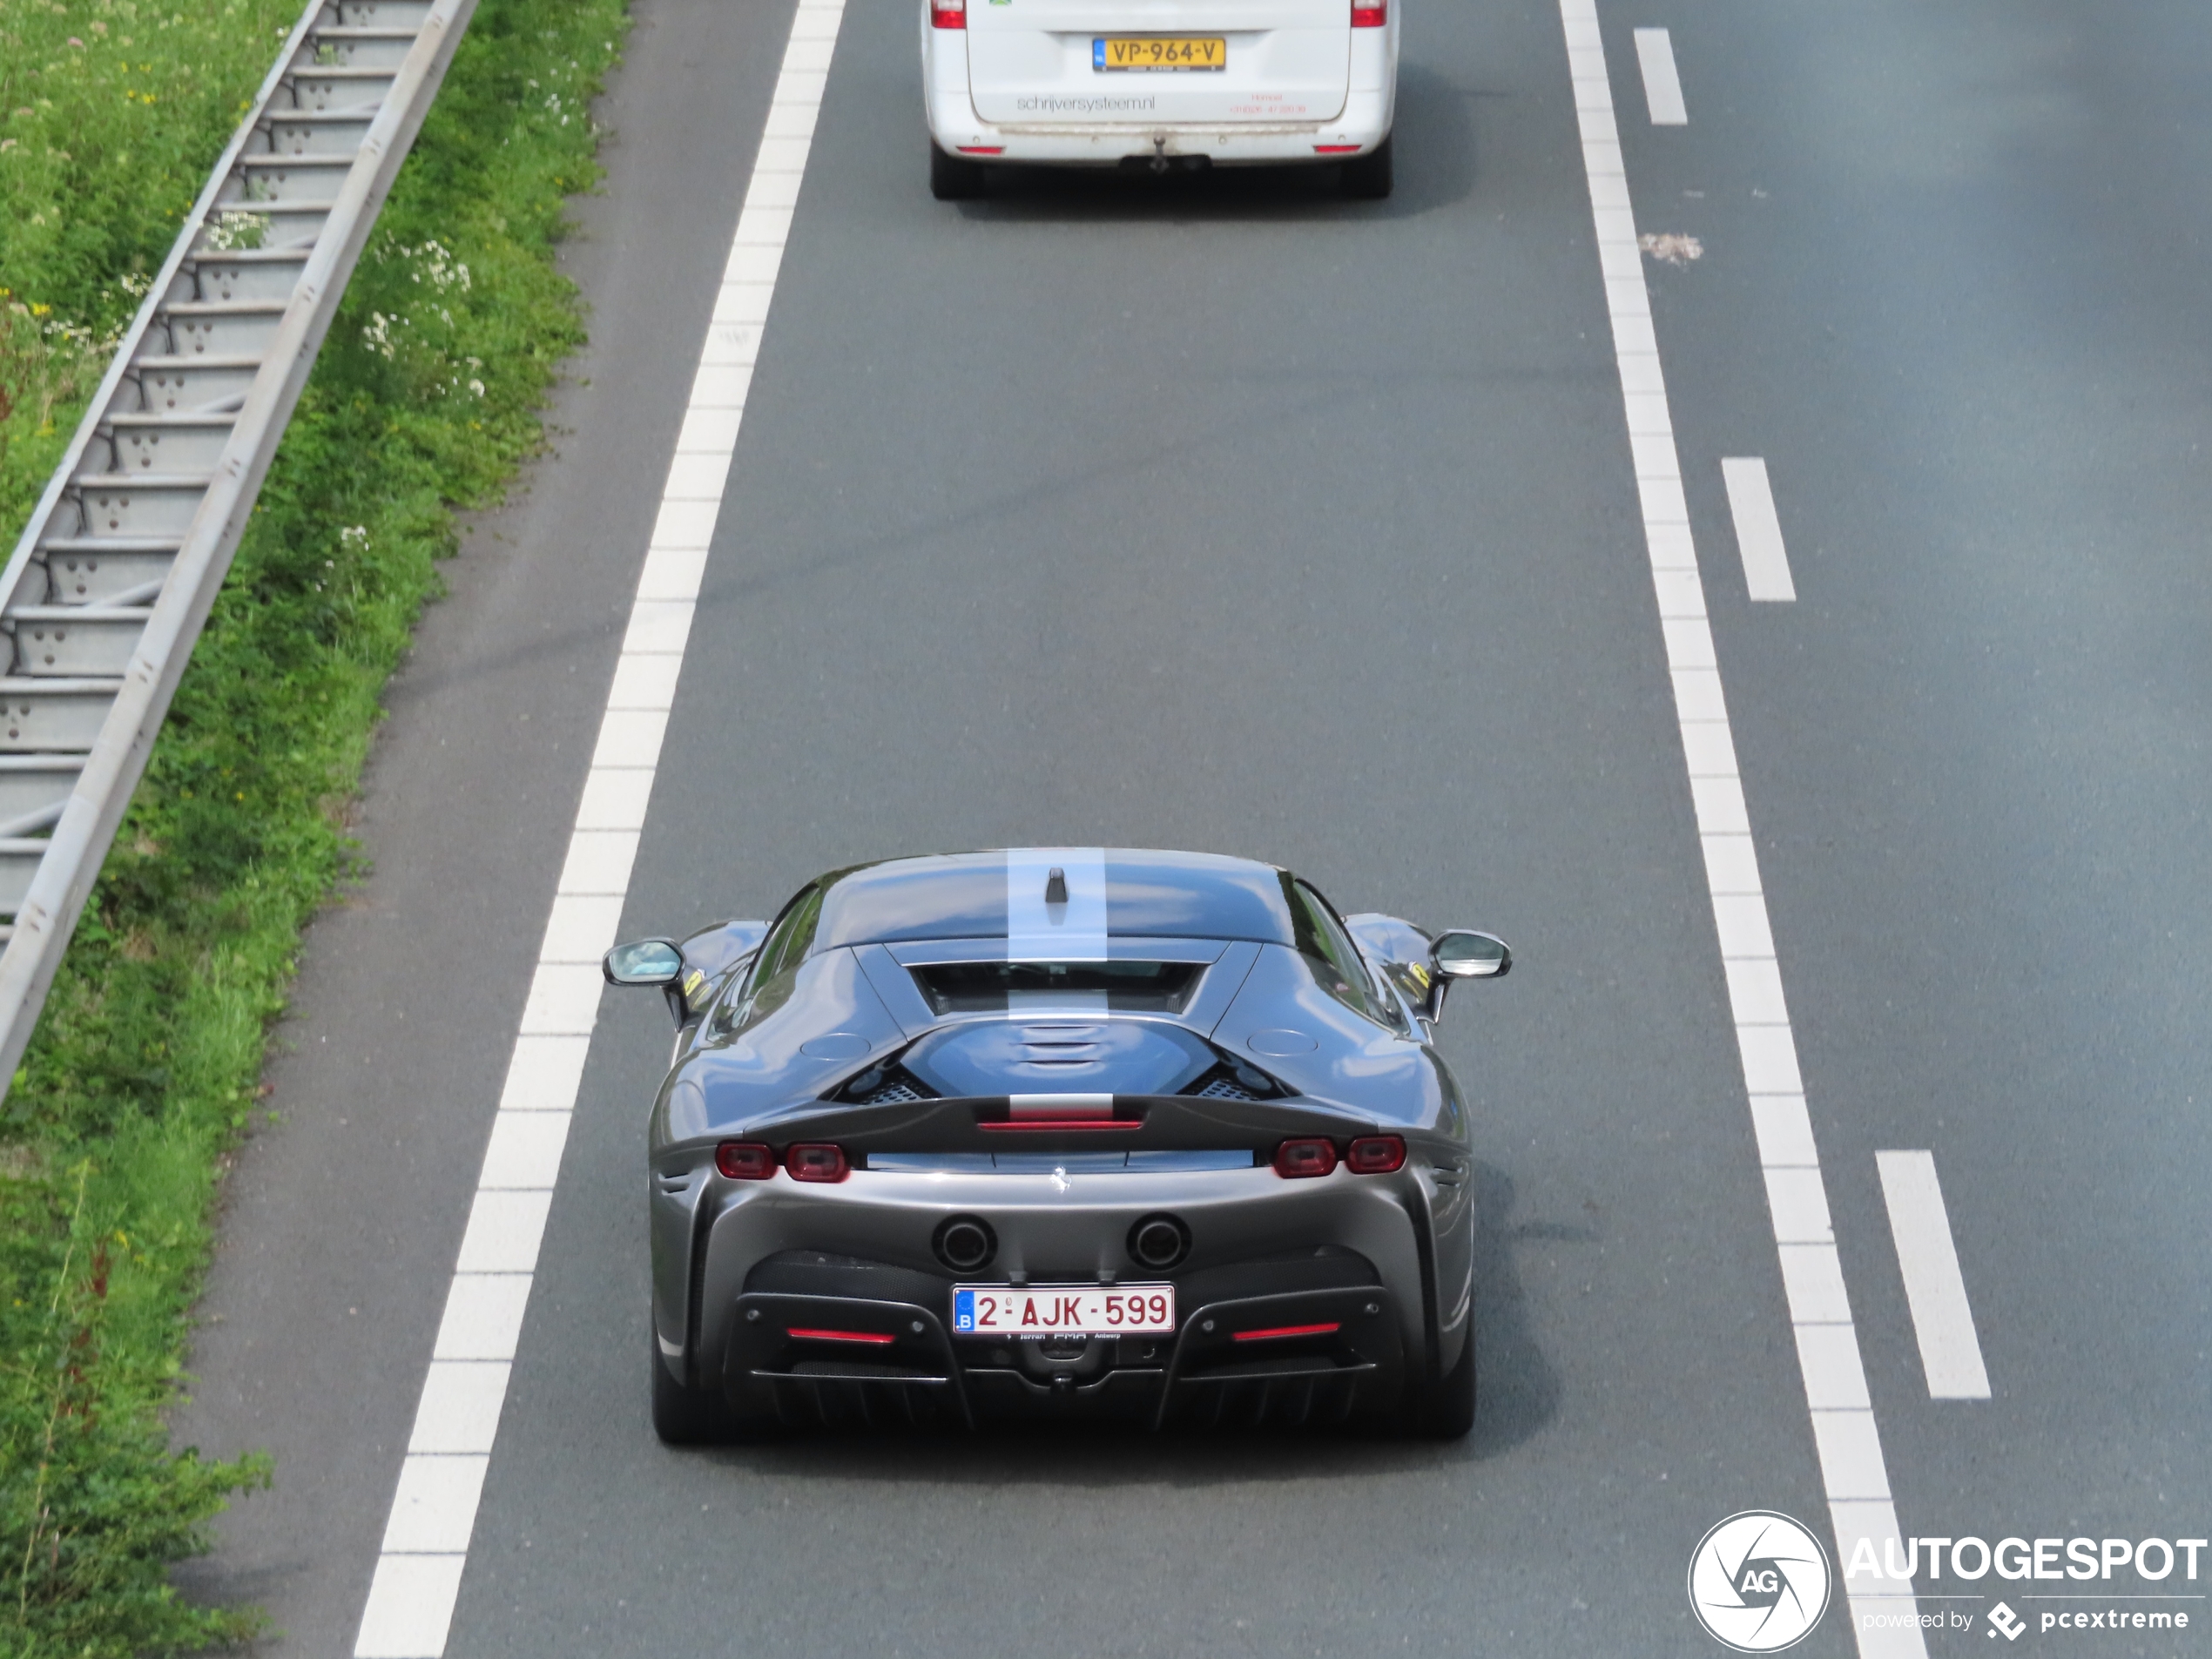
(1063, 1310)
(1159, 51)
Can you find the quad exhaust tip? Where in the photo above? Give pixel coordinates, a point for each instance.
(965, 1243)
(1159, 1242)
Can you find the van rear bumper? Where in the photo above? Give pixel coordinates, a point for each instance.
(1363, 125)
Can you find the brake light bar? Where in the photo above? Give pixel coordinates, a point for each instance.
(1030, 1108)
(1066, 1123)
(1276, 1333)
(948, 14)
(1058, 1111)
(874, 1339)
(1366, 16)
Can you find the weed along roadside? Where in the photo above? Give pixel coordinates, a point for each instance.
(145, 1066)
(110, 114)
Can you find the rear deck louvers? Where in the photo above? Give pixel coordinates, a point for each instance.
(885, 1085)
(1233, 1080)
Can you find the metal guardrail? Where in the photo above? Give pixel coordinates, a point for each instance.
(107, 590)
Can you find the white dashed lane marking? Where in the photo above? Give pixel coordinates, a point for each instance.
(1950, 1352)
(1759, 529)
(1662, 85)
(1849, 1446)
(434, 1512)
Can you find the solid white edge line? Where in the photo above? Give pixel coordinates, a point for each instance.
(1846, 1437)
(1935, 1290)
(1759, 529)
(1662, 84)
(409, 1614)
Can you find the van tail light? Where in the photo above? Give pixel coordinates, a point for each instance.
(817, 1163)
(1298, 1160)
(744, 1159)
(1375, 1155)
(948, 14)
(1373, 16)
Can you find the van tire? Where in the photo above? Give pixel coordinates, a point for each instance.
(954, 179)
(1368, 178)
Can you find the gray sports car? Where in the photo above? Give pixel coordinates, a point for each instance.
(1060, 1131)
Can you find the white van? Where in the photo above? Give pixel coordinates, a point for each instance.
(1162, 84)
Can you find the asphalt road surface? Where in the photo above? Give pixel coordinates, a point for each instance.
(1221, 513)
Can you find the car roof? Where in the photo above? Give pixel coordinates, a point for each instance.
(1111, 892)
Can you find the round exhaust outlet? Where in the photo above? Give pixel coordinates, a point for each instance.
(965, 1243)
(1159, 1242)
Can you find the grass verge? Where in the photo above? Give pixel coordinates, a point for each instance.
(111, 113)
(146, 1065)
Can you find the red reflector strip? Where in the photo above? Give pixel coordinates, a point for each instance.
(1271, 1334)
(1370, 16)
(1068, 1123)
(980, 149)
(1336, 148)
(873, 1338)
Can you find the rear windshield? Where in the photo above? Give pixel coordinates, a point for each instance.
(984, 987)
(1149, 895)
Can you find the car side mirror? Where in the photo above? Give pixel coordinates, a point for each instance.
(645, 962)
(1460, 953)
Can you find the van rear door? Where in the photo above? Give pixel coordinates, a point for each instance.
(1155, 62)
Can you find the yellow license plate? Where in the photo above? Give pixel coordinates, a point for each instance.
(1159, 51)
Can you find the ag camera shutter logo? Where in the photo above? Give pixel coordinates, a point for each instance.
(1759, 1581)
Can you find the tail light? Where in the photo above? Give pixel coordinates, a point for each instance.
(1281, 1332)
(1373, 16)
(744, 1159)
(824, 1163)
(948, 14)
(1375, 1155)
(870, 1338)
(1297, 1160)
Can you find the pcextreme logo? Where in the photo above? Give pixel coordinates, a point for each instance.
(1759, 1581)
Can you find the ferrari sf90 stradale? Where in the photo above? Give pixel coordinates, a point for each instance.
(1059, 1131)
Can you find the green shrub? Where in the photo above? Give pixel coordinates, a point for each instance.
(146, 1063)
